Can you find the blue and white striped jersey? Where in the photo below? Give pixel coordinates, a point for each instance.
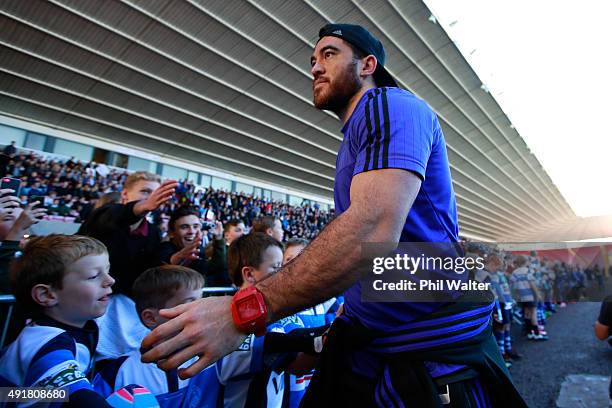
(248, 378)
(129, 369)
(317, 316)
(50, 354)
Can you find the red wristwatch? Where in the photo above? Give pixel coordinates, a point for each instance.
(249, 311)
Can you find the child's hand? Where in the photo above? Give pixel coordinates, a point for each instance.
(497, 317)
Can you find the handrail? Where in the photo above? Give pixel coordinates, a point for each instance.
(212, 289)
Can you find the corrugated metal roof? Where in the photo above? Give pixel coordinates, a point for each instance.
(227, 83)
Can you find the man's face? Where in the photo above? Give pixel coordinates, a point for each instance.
(234, 232)
(85, 290)
(334, 71)
(277, 232)
(186, 230)
(141, 190)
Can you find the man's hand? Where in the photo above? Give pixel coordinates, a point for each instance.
(162, 194)
(203, 328)
(188, 254)
(28, 217)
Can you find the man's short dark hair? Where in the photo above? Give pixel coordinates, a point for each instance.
(248, 250)
(180, 213)
(262, 224)
(357, 55)
(231, 223)
(155, 286)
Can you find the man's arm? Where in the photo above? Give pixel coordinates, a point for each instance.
(604, 321)
(602, 331)
(380, 202)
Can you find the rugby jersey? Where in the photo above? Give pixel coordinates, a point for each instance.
(248, 378)
(317, 316)
(50, 354)
(521, 279)
(392, 128)
(129, 369)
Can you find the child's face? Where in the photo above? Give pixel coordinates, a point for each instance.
(234, 232)
(271, 262)
(141, 190)
(182, 296)
(85, 291)
(291, 253)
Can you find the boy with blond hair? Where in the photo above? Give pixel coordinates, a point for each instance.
(133, 246)
(62, 283)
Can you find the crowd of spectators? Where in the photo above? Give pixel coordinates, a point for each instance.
(138, 231)
(72, 188)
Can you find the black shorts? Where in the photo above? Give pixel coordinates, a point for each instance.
(505, 318)
(506, 315)
(527, 304)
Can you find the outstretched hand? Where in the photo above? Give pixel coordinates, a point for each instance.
(202, 328)
(188, 254)
(158, 197)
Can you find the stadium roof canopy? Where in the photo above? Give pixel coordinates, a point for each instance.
(227, 84)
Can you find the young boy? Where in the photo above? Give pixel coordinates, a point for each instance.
(133, 246)
(62, 282)
(523, 283)
(319, 315)
(162, 287)
(504, 313)
(253, 375)
(500, 314)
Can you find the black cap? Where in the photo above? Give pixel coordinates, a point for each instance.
(364, 41)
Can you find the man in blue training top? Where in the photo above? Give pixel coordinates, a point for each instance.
(392, 184)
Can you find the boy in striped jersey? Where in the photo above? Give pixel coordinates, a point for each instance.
(316, 316)
(63, 283)
(162, 287)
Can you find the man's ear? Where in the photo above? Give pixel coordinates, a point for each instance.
(247, 275)
(149, 317)
(44, 295)
(368, 66)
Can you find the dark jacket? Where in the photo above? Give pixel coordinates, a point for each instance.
(214, 269)
(404, 374)
(130, 254)
(217, 265)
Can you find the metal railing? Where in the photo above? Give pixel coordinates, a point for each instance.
(10, 301)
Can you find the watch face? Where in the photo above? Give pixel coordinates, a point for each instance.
(249, 308)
